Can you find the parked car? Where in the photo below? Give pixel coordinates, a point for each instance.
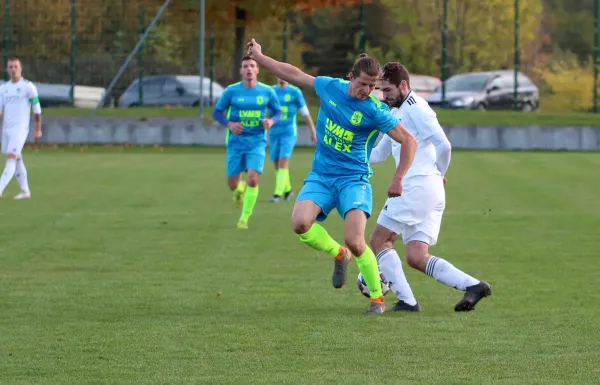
(422, 85)
(163, 90)
(487, 91)
(57, 95)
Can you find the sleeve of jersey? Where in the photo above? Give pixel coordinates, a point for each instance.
(443, 151)
(320, 84)
(381, 151)
(300, 102)
(384, 120)
(274, 106)
(222, 105)
(34, 100)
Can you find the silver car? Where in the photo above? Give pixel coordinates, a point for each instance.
(170, 90)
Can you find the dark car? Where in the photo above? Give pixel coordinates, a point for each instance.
(170, 90)
(487, 91)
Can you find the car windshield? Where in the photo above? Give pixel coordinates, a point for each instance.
(472, 82)
(192, 85)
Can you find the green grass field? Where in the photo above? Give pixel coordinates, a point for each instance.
(126, 267)
(446, 117)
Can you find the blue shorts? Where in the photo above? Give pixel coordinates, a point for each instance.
(281, 146)
(239, 161)
(345, 193)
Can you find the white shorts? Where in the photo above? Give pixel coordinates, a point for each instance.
(14, 141)
(417, 214)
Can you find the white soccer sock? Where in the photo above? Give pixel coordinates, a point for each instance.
(7, 174)
(21, 175)
(444, 272)
(391, 267)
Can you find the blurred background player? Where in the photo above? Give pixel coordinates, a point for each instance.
(417, 214)
(283, 135)
(242, 109)
(18, 97)
(347, 126)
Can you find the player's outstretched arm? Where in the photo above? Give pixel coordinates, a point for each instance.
(283, 71)
(381, 151)
(407, 153)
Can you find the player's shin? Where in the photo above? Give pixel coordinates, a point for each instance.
(318, 238)
(280, 181)
(250, 198)
(391, 268)
(367, 265)
(21, 175)
(445, 272)
(8, 173)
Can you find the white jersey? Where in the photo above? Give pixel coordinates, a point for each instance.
(418, 118)
(16, 102)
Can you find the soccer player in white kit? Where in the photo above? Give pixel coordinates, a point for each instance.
(17, 98)
(417, 214)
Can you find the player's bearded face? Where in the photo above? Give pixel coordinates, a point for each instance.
(362, 86)
(249, 70)
(393, 94)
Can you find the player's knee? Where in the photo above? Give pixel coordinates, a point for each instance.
(355, 243)
(300, 224)
(252, 180)
(11, 156)
(416, 255)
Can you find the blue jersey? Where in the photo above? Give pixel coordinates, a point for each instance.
(248, 106)
(347, 129)
(291, 100)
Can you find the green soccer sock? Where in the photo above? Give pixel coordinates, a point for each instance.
(367, 265)
(288, 183)
(317, 238)
(250, 198)
(283, 175)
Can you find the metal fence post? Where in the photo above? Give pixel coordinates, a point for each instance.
(516, 71)
(362, 41)
(211, 60)
(201, 56)
(141, 56)
(284, 41)
(6, 34)
(444, 51)
(73, 51)
(596, 49)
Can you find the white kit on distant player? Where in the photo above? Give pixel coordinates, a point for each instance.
(17, 100)
(417, 214)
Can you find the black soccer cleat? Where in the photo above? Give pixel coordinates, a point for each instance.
(473, 295)
(288, 195)
(403, 306)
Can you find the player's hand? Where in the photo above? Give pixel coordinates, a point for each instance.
(37, 134)
(254, 49)
(235, 127)
(395, 189)
(313, 137)
(445, 180)
(267, 123)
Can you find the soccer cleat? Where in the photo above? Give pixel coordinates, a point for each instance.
(238, 194)
(473, 295)
(340, 268)
(23, 195)
(403, 306)
(288, 195)
(275, 199)
(242, 224)
(376, 307)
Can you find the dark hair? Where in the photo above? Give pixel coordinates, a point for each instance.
(13, 58)
(366, 64)
(394, 73)
(246, 58)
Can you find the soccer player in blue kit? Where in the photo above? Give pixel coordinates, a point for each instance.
(347, 126)
(283, 135)
(242, 109)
